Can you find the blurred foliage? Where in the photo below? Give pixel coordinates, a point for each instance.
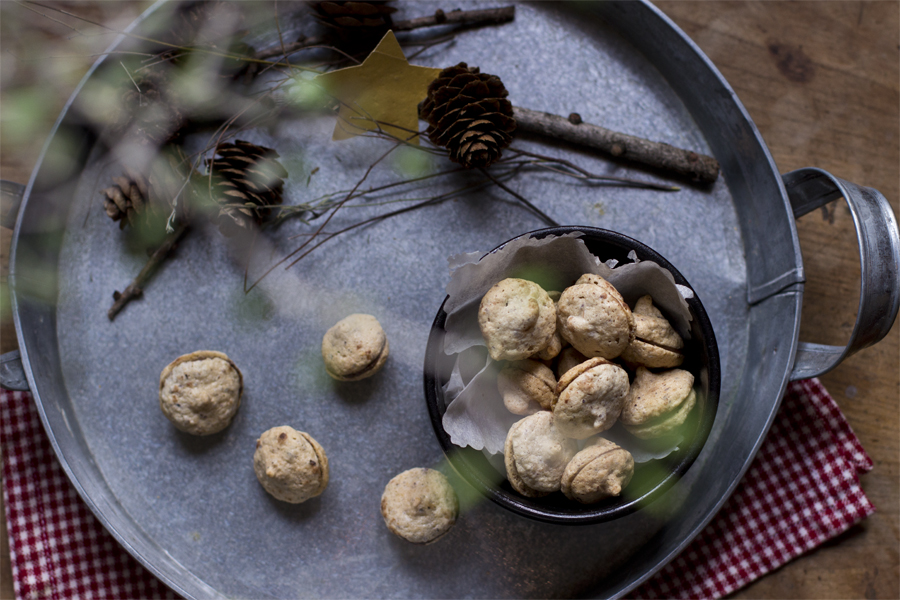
(410, 162)
(44, 53)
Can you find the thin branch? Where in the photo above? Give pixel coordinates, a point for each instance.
(431, 44)
(421, 204)
(584, 174)
(26, 6)
(135, 36)
(136, 86)
(328, 236)
(280, 34)
(322, 203)
(135, 288)
(492, 16)
(520, 198)
(658, 155)
(322, 226)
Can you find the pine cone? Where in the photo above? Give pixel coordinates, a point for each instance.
(128, 199)
(357, 26)
(246, 180)
(468, 113)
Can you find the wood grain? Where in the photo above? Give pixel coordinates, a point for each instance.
(821, 80)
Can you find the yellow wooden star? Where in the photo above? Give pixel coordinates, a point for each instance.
(384, 91)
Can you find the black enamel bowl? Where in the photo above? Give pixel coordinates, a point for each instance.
(652, 478)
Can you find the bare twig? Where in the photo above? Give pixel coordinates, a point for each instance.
(490, 16)
(493, 16)
(323, 203)
(334, 211)
(132, 35)
(683, 163)
(521, 199)
(135, 288)
(422, 203)
(544, 161)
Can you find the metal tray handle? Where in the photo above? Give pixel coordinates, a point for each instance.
(12, 374)
(879, 257)
(11, 194)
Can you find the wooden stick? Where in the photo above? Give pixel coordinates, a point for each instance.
(490, 16)
(135, 288)
(658, 155)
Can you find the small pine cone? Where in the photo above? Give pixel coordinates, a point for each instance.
(127, 200)
(468, 113)
(357, 26)
(245, 181)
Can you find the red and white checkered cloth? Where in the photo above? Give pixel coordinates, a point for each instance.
(57, 548)
(802, 489)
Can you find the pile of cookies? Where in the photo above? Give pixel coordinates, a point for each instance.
(200, 393)
(575, 363)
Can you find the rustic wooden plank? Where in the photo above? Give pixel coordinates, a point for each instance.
(820, 80)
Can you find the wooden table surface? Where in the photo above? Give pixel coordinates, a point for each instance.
(821, 80)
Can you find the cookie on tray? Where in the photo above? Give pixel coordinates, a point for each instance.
(200, 392)
(419, 505)
(356, 347)
(290, 464)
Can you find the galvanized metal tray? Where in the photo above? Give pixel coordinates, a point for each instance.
(190, 508)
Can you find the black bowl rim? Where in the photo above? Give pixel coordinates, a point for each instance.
(591, 513)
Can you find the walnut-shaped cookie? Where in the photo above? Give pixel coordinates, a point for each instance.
(355, 348)
(600, 470)
(658, 403)
(526, 386)
(419, 505)
(556, 343)
(591, 396)
(536, 454)
(290, 464)
(656, 344)
(201, 392)
(517, 319)
(594, 318)
(568, 358)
